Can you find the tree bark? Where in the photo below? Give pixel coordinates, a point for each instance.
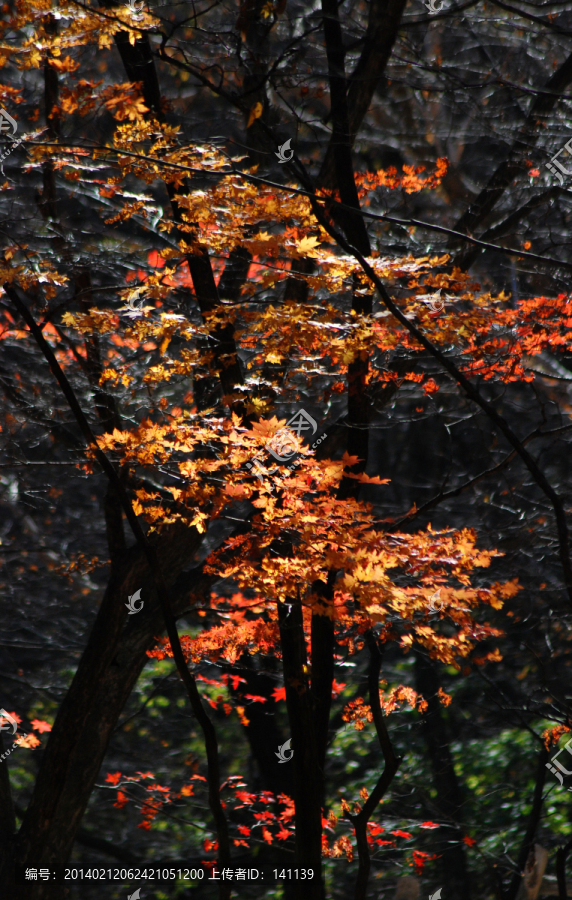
(454, 873)
(561, 857)
(382, 29)
(390, 768)
(527, 845)
(308, 776)
(353, 225)
(48, 206)
(107, 672)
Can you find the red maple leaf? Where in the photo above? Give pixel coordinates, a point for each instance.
(113, 778)
(122, 799)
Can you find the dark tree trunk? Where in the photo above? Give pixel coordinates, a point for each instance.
(308, 775)
(454, 874)
(111, 663)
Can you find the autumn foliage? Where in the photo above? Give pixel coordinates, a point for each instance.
(190, 382)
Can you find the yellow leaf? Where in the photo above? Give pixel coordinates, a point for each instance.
(307, 244)
(255, 113)
(198, 523)
(35, 59)
(28, 740)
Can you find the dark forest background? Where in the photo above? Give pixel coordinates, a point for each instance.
(488, 85)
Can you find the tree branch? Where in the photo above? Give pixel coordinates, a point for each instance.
(382, 217)
(472, 393)
(384, 22)
(360, 820)
(456, 492)
(512, 166)
(108, 413)
(149, 551)
(139, 64)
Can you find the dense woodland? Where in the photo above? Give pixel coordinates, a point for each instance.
(286, 411)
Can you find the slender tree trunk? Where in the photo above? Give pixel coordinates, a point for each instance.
(48, 206)
(353, 225)
(390, 768)
(527, 846)
(308, 775)
(561, 857)
(454, 874)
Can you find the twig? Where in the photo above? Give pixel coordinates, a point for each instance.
(455, 492)
(360, 820)
(395, 220)
(470, 390)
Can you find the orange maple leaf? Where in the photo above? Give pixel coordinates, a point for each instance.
(28, 740)
(40, 725)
